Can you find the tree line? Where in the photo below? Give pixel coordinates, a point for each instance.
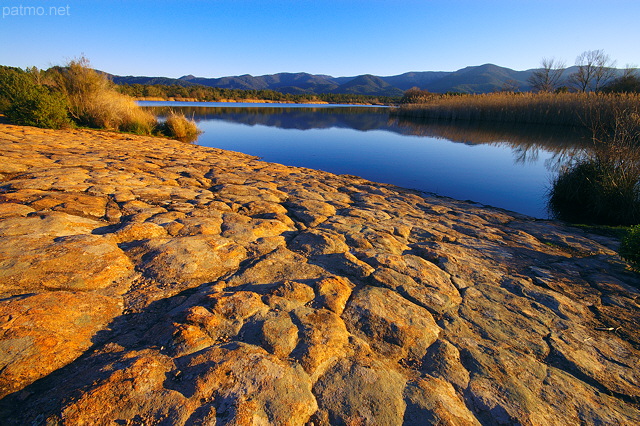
(216, 94)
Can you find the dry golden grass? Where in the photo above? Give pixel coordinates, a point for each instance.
(94, 102)
(111, 110)
(179, 127)
(569, 109)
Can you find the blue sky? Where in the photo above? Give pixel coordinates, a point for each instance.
(340, 38)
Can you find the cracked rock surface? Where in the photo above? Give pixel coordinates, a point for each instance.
(147, 281)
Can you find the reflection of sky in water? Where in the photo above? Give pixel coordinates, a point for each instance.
(488, 174)
(464, 160)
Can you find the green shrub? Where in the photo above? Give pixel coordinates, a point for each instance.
(26, 103)
(630, 246)
(43, 109)
(179, 127)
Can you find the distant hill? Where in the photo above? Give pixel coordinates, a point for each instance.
(481, 79)
(149, 80)
(415, 79)
(475, 79)
(368, 85)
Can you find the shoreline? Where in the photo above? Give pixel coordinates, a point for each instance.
(151, 279)
(250, 101)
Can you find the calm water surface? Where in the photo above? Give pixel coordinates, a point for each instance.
(509, 168)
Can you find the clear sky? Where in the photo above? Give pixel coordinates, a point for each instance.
(341, 38)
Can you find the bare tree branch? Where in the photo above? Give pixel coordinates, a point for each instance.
(595, 70)
(547, 78)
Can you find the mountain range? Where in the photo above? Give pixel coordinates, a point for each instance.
(475, 79)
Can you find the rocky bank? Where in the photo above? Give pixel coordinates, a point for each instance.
(147, 281)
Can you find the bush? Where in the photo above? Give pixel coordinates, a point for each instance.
(604, 187)
(630, 246)
(179, 127)
(113, 111)
(40, 109)
(596, 192)
(26, 103)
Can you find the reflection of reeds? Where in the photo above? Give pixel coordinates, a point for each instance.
(552, 138)
(567, 109)
(526, 140)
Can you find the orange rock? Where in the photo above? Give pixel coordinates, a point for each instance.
(43, 332)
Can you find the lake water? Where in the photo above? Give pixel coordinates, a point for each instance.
(506, 167)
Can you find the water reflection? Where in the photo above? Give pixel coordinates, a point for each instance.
(551, 138)
(357, 118)
(526, 140)
(504, 166)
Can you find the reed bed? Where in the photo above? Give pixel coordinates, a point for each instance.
(566, 109)
(600, 185)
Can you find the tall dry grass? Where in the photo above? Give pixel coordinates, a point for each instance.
(567, 109)
(94, 102)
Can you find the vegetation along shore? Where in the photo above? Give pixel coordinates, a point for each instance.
(77, 95)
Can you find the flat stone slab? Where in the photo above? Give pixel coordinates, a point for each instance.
(148, 281)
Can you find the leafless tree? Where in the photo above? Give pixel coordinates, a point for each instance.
(510, 86)
(595, 69)
(547, 78)
(630, 70)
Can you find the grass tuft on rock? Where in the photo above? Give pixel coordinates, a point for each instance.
(179, 127)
